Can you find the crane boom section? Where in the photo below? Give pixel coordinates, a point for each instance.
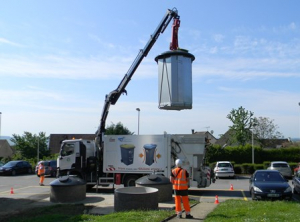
(114, 95)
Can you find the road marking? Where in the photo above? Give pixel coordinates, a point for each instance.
(245, 198)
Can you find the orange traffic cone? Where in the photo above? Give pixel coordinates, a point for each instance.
(231, 187)
(11, 190)
(216, 199)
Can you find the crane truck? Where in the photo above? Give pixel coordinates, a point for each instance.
(122, 159)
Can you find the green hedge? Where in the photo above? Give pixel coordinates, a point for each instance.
(243, 154)
(241, 157)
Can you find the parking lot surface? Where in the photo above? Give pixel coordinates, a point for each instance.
(18, 193)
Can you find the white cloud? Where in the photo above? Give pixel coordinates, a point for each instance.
(5, 41)
(292, 26)
(218, 38)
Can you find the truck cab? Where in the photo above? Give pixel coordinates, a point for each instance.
(72, 158)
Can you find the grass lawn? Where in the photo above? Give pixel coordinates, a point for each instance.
(75, 213)
(239, 210)
(230, 210)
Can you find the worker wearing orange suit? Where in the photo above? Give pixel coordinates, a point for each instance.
(179, 179)
(41, 173)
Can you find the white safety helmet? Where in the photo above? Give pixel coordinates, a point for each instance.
(178, 162)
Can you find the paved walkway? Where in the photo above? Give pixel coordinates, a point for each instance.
(199, 212)
(103, 203)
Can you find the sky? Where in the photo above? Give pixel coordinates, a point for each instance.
(58, 60)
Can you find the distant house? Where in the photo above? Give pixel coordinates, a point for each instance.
(225, 140)
(5, 149)
(208, 135)
(275, 143)
(56, 140)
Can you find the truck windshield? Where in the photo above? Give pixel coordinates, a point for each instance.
(67, 149)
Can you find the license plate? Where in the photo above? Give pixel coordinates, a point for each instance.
(224, 169)
(273, 195)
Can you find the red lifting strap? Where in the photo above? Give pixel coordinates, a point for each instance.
(175, 27)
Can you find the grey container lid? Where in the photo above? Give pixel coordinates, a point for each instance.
(153, 179)
(68, 181)
(150, 146)
(174, 53)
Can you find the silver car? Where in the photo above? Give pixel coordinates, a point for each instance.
(283, 167)
(224, 169)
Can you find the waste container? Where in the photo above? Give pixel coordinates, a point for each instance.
(135, 198)
(159, 182)
(175, 80)
(67, 189)
(150, 150)
(127, 153)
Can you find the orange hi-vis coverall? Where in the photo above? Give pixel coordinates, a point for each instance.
(41, 173)
(180, 186)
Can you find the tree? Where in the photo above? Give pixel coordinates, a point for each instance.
(265, 128)
(117, 129)
(243, 121)
(28, 144)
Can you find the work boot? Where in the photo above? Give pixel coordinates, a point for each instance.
(179, 216)
(188, 216)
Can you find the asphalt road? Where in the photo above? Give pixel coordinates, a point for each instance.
(19, 192)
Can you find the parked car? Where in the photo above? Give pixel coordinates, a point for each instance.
(269, 184)
(296, 183)
(16, 167)
(283, 167)
(50, 167)
(224, 169)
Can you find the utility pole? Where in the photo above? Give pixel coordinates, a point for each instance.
(138, 109)
(38, 150)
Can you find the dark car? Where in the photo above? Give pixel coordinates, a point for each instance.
(296, 183)
(269, 184)
(50, 167)
(16, 167)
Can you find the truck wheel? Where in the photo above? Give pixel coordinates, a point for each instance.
(129, 181)
(89, 186)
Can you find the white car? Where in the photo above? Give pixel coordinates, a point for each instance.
(224, 169)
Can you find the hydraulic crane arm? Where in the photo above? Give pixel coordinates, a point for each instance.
(114, 95)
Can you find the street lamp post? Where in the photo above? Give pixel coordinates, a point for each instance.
(252, 148)
(299, 120)
(38, 150)
(138, 109)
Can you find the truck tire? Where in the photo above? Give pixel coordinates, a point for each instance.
(129, 181)
(89, 186)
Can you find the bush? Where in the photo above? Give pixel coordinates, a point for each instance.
(258, 167)
(237, 169)
(266, 164)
